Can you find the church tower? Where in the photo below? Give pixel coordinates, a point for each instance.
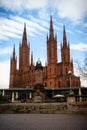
(65, 49)
(24, 53)
(51, 56)
(65, 55)
(53, 75)
(32, 63)
(51, 45)
(13, 65)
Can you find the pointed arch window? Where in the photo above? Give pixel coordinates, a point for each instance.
(76, 83)
(66, 70)
(68, 83)
(59, 84)
(45, 84)
(50, 83)
(55, 70)
(60, 71)
(50, 53)
(50, 70)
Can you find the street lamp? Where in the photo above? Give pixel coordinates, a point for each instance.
(70, 75)
(52, 91)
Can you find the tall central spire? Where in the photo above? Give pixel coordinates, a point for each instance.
(14, 52)
(51, 45)
(24, 38)
(51, 36)
(31, 58)
(64, 37)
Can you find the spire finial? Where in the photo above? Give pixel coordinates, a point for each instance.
(32, 58)
(14, 51)
(51, 28)
(24, 38)
(64, 36)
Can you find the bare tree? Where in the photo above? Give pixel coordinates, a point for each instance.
(82, 68)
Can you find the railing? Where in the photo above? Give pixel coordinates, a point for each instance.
(77, 100)
(81, 100)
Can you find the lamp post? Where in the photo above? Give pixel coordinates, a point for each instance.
(80, 99)
(70, 75)
(12, 97)
(16, 95)
(30, 95)
(52, 91)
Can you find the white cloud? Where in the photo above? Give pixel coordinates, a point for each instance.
(81, 32)
(4, 74)
(34, 4)
(75, 10)
(19, 5)
(69, 31)
(11, 4)
(13, 27)
(85, 25)
(79, 46)
(2, 37)
(9, 28)
(8, 34)
(44, 13)
(6, 50)
(44, 22)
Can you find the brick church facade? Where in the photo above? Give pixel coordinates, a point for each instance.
(53, 75)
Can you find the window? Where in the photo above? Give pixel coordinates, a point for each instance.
(76, 83)
(50, 71)
(66, 70)
(60, 71)
(68, 83)
(59, 84)
(55, 70)
(50, 83)
(50, 53)
(45, 84)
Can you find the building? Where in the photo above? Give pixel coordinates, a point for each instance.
(54, 74)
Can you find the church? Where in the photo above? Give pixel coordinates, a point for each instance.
(53, 75)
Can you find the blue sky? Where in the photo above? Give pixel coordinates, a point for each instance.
(36, 14)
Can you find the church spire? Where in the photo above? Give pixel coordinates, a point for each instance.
(24, 38)
(64, 37)
(51, 35)
(31, 58)
(13, 64)
(51, 45)
(13, 52)
(65, 48)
